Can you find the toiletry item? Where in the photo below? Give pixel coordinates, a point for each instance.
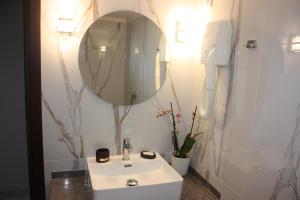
(102, 155)
(148, 155)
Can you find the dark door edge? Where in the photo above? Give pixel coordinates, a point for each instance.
(32, 10)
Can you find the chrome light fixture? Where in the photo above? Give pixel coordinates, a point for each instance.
(295, 44)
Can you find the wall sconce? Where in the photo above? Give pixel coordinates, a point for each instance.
(136, 50)
(181, 35)
(210, 2)
(103, 49)
(295, 44)
(66, 16)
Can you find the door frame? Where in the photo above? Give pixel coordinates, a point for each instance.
(32, 49)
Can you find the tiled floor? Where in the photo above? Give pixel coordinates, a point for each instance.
(194, 189)
(77, 188)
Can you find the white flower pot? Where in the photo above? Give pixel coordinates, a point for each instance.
(181, 165)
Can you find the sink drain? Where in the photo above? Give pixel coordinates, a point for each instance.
(132, 182)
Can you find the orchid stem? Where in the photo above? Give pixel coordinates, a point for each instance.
(194, 116)
(174, 124)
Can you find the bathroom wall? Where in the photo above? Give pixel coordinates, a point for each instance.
(256, 154)
(250, 147)
(75, 121)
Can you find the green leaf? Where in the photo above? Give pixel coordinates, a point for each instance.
(175, 141)
(187, 146)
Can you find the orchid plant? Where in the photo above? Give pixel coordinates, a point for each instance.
(173, 119)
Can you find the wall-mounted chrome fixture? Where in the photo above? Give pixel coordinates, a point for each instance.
(66, 19)
(251, 44)
(295, 44)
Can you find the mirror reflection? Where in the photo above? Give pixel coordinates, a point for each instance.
(122, 58)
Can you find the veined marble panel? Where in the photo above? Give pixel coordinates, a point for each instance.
(259, 144)
(75, 121)
(252, 154)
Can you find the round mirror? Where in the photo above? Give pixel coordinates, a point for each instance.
(122, 58)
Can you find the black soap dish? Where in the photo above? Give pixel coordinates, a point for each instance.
(148, 155)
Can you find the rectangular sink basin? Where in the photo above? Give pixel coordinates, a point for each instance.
(156, 179)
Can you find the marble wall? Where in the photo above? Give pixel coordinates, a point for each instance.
(75, 121)
(256, 154)
(250, 149)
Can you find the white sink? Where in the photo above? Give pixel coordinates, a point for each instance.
(157, 180)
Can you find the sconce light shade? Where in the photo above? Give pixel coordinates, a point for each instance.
(103, 48)
(181, 33)
(295, 45)
(66, 15)
(210, 2)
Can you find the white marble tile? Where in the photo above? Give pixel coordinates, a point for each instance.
(255, 155)
(256, 160)
(75, 121)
